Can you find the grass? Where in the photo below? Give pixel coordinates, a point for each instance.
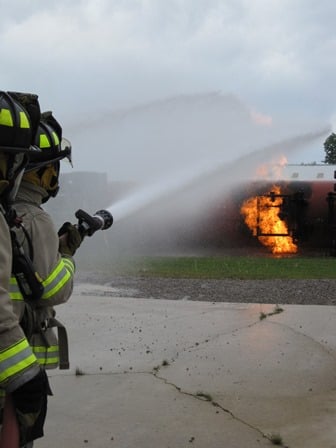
(231, 267)
(276, 310)
(204, 396)
(276, 439)
(79, 372)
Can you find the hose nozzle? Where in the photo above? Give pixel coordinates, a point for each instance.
(89, 224)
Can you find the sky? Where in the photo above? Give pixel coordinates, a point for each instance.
(89, 60)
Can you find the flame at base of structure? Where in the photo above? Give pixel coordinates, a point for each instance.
(262, 216)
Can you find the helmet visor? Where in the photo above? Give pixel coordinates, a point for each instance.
(39, 159)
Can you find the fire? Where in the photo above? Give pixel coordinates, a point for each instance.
(273, 170)
(261, 214)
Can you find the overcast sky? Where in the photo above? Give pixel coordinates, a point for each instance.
(85, 58)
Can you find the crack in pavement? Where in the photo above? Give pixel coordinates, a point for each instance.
(198, 345)
(201, 396)
(208, 398)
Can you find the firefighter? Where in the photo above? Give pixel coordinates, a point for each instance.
(21, 378)
(50, 255)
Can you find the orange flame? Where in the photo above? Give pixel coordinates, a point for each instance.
(273, 170)
(261, 214)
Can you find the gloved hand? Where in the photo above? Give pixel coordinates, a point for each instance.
(70, 239)
(30, 404)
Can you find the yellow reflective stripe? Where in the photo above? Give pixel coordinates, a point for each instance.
(24, 122)
(57, 287)
(63, 272)
(16, 296)
(6, 118)
(15, 359)
(44, 141)
(46, 356)
(56, 280)
(48, 362)
(14, 290)
(55, 137)
(69, 264)
(41, 348)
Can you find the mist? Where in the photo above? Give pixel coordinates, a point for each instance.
(209, 179)
(151, 140)
(182, 155)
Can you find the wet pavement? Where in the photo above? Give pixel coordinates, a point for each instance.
(170, 374)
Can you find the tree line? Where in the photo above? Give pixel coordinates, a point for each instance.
(330, 149)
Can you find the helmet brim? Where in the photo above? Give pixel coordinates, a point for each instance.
(16, 150)
(39, 160)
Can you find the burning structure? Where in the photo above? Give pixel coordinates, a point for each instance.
(287, 209)
(266, 216)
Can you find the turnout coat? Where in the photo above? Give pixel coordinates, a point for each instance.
(39, 239)
(18, 364)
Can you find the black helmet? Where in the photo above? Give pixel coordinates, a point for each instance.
(17, 127)
(51, 149)
(16, 124)
(48, 139)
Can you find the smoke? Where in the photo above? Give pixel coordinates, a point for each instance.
(158, 215)
(210, 178)
(184, 154)
(152, 141)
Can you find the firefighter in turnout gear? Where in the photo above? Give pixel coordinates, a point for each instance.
(49, 254)
(22, 380)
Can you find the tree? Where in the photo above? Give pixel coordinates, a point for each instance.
(330, 149)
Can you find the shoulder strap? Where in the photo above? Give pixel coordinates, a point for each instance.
(62, 343)
(28, 280)
(29, 241)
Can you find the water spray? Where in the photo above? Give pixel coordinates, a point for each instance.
(218, 173)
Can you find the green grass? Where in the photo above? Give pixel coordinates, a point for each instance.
(276, 439)
(231, 267)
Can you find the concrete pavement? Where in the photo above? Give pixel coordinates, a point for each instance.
(152, 373)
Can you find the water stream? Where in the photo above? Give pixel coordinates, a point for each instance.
(213, 178)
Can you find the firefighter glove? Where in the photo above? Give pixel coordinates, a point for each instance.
(30, 404)
(70, 239)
